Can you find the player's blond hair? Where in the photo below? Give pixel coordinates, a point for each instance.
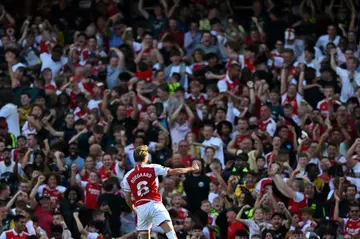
(140, 153)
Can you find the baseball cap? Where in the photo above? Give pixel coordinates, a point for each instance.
(42, 196)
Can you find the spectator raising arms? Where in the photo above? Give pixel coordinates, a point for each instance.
(187, 119)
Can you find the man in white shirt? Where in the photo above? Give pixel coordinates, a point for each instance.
(54, 61)
(350, 78)
(330, 37)
(9, 112)
(310, 61)
(266, 123)
(7, 166)
(213, 142)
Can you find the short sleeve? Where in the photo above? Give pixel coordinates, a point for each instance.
(341, 160)
(20, 171)
(222, 86)
(5, 112)
(93, 235)
(152, 146)
(61, 189)
(83, 184)
(160, 170)
(41, 189)
(3, 235)
(271, 128)
(340, 72)
(298, 197)
(137, 46)
(125, 185)
(345, 221)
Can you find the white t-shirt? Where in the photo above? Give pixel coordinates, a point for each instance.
(47, 62)
(129, 150)
(347, 89)
(324, 40)
(219, 153)
(212, 196)
(27, 129)
(94, 104)
(178, 132)
(10, 168)
(9, 112)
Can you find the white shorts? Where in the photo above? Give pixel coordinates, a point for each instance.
(151, 214)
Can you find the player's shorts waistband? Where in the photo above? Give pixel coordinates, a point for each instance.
(143, 201)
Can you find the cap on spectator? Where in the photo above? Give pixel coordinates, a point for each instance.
(42, 196)
(290, 34)
(17, 66)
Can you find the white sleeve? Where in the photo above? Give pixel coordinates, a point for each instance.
(152, 146)
(3, 235)
(83, 184)
(41, 189)
(298, 197)
(42, 56)
(341, 72)
(20, 171)
(345, 223)
(5, 112)
(352, 180)
(222, 86)
(92, 235)
(230, 113)
(125, 185)
(61, 189)
(93, 105)
(137, 46)
(271, 128)
(160, 170)
(318, 42)
(342, 160)
(189, 70)
(236, 112)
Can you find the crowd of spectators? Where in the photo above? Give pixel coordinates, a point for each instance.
(264, 97)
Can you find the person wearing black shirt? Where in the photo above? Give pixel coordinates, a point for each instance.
(113, 204)
(196, 186)
(278, 230)
(344, 205)
(317, 201)
(276, 26)
(129, 123)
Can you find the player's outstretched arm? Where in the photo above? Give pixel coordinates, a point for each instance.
(179, 171)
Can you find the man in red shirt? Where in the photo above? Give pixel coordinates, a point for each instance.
(18, 231)
(141, 193)
(174, 32)
(234, 225)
